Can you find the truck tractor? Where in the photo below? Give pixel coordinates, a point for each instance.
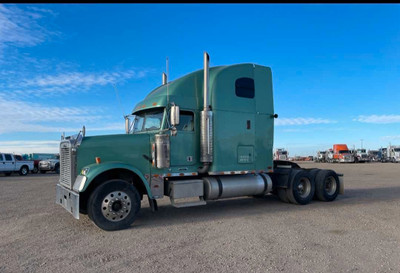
(202, 137)
(321, 156)
(281, 154)
(393, 154)
(342, 154)
(361, 156)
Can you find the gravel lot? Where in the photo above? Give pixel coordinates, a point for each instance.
(359, 232)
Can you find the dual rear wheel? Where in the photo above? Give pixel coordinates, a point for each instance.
(305, 185)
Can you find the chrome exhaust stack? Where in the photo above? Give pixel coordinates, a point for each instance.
(164, 78)
(206, 125)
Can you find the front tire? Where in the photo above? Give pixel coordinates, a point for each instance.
(23, 171)
(114, 205)
(35, 170)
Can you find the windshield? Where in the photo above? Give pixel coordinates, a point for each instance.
(283, 153)
(361, 150)
(147, 121)
(397, 149)
(322, 153)
(344, 152)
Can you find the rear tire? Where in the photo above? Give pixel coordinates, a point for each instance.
(24, 170)
(301, 188)
(283, 195)
(327, 185)
(35, 170)
(114, 205)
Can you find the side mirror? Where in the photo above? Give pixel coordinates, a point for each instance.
(126, 125)
(174, 115)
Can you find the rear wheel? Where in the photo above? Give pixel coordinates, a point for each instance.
(301, 188)
(327, 185)
(24, 170)
(114, 205)
(35, 170)
(283, 195)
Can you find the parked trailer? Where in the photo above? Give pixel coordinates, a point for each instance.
(181, 142)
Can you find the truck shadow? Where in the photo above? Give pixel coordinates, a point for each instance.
(248, 207)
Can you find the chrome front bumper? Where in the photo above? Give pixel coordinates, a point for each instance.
(68, 199)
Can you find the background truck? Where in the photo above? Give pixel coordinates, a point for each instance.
(393, 153)
(49, 165)
(361, 156)
(205, 136)
(281, 154)
(37, 157)
(321, 156)
(382, 155)
(10, 163)
(373, 155)
(342, 154)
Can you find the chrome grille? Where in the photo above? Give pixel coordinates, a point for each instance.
(67, 168)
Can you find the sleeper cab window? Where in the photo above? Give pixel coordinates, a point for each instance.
(244, 88)
(186, 121)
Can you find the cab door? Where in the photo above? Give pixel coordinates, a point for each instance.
(184, 155)
(8, 162)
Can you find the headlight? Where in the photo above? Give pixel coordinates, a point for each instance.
(79, 183)
(85, 171)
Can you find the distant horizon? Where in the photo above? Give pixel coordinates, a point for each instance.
(335, 67)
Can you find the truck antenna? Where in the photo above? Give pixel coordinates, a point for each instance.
(119, 101)
(167, 80)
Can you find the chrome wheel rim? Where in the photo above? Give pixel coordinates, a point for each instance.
(330, 185)
(116, 206)
(24, 171)
(304, 187)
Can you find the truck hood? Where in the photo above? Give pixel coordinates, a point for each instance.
(130, 149)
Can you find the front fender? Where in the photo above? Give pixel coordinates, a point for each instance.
(97, 169)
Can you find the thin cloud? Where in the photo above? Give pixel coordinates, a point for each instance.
(21, 27)
(378, 119)
(77, 79)
(396, 137)
(302, 121)
(28, 146)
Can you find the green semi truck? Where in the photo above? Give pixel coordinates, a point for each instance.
(205, 136)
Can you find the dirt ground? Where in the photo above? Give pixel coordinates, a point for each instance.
(358, 232)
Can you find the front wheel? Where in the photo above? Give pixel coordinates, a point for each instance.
(57, 169)
(35, 170)
(114, 205)
(24, 170)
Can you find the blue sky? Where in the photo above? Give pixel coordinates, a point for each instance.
(336, 67)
